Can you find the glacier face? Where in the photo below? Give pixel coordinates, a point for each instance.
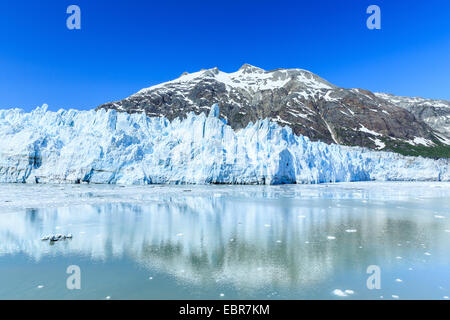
(72, 146)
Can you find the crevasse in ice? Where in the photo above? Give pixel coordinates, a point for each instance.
(72, 146)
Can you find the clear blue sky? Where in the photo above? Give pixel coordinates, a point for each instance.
(124, 46)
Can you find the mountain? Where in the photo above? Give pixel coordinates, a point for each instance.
(118, 148)
(308, 104)
(435, 113)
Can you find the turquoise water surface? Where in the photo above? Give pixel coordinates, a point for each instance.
(226, 242)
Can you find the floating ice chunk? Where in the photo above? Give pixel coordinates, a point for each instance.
(222, 295)
(179, 234)
(398, 280)
(340, 293)
(40, 286)
(351, 230)
(427, 254)
(56, 237)
(439, 217)
(349, 291)
(331, 238)
(267, 225)
(108, 298)
(395, 296)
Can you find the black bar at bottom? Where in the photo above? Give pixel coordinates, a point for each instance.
(213, 309)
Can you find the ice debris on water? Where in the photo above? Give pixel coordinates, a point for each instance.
(57, 237)
(349, 291)
(111, 147)
(341, 293)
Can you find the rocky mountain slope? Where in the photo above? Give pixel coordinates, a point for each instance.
(310, 105)
(435, 113)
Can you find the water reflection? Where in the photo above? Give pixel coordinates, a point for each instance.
(249, 239)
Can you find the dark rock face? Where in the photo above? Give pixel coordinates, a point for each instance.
(308, 104)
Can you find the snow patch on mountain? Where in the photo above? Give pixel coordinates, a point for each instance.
(72, 146)
(251, 79)
(364, 129)
(380, 144)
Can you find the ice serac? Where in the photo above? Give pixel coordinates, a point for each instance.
(115, 147)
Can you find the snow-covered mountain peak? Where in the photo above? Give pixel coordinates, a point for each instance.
(411, 101)
(249, 78)
(247, 68)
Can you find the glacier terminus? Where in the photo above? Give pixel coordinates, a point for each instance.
(111, 147)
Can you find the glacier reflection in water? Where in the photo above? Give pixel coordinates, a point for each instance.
(241, 241)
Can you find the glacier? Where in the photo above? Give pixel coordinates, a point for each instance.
(110, 147)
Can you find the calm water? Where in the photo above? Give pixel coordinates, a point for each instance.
(226, 242)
